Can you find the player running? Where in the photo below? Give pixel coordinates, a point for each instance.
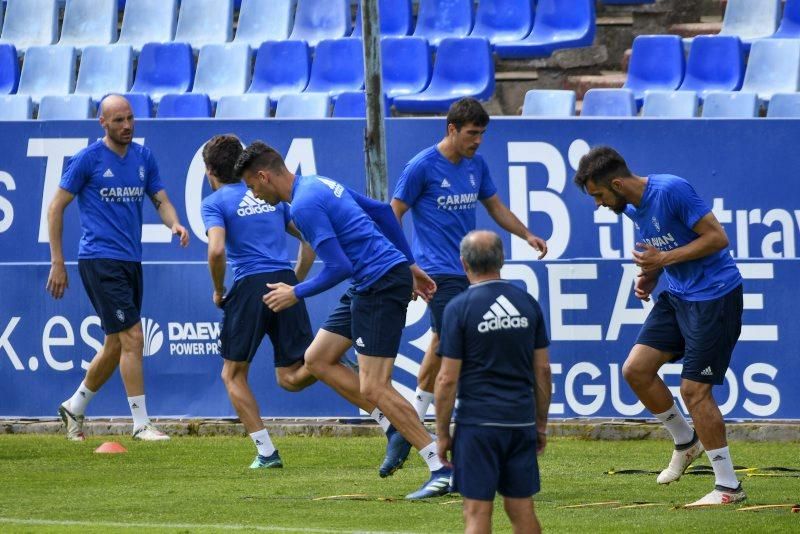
(252, 235)
(110, 177)
(371, 314)
(698, 318)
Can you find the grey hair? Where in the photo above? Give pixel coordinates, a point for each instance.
(482, 251)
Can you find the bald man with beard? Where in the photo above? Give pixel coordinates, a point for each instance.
(110, 178)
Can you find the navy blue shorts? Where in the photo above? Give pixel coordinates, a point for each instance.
(447, 288)
(374, 318)
(115, 288)
(489, 459)
(246, 319)
(703, 333)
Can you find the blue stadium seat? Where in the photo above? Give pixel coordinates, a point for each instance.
(223, 69)
(148, 21)
(184, 106)
(264, 20)
(141, 104)
(9, 69)
(501, 21)
(104, 70)
(315, 20)
(790, 23)
(554, 27)
(353, 104)
(716, 63)
(250, 106)
(406, 65)
(69, 107)
(672, 104)
(164, 68)
(202, 22)
(773, 67)
(304, 106)
(48, 70)
(282, 67)
(608, 103)
(395, 18)
(30, 23)
(657, 62)
(439, 19)
(16, 108)
(784, 106)
(338, 66)
(751, 19)
(463, 67)
(731, 104)
(89, 22)
(548, 103)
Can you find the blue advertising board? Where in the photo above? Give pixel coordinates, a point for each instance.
(741, 168)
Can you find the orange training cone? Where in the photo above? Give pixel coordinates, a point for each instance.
(110, 447)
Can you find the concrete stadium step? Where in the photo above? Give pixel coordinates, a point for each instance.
(605, 80)
(693, 29)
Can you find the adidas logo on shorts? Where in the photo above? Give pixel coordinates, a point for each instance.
(250, 205)
(359, 342)
(707, 371)
(502, 315)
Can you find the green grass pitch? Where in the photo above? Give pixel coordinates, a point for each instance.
(202, 484)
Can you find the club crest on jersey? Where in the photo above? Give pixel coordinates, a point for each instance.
(472, 180)
(656, 224)
(141, 173)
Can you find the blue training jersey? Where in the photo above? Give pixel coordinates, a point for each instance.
(255, 232)
(443, 198)
(323, 209)
(669, 209)
(110, 191)
(493, 328)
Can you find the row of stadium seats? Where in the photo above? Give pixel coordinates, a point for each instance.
(192, 105)
(715, 63)
(751, 20)
(509, 24)
(463, 67)
(664, 104)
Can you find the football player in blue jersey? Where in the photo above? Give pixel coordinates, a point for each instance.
(111, 178)
(356, 239)
(251, 235)
(442, 186)
(697, 318)
(494, 353)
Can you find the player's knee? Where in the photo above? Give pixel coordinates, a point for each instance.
(231, 373)
(370, 391)
(634, 373)
(694, 393)
(289, 383)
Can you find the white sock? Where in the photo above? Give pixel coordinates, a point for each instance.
(723, 468)
(263, 442)
(79, 400)
(138, 411)
(422, 399)
(381, 419)
(676, 424)
(430, 454)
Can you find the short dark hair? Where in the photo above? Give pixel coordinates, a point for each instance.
(601, 165)
(467, 111)
(259, 155)
(482, 256)
(220, 155)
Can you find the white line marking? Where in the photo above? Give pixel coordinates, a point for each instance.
(222, 526)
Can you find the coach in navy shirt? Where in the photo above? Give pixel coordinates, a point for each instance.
(111, 178)
(355, 239)
(494, 348)
(698, 317)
